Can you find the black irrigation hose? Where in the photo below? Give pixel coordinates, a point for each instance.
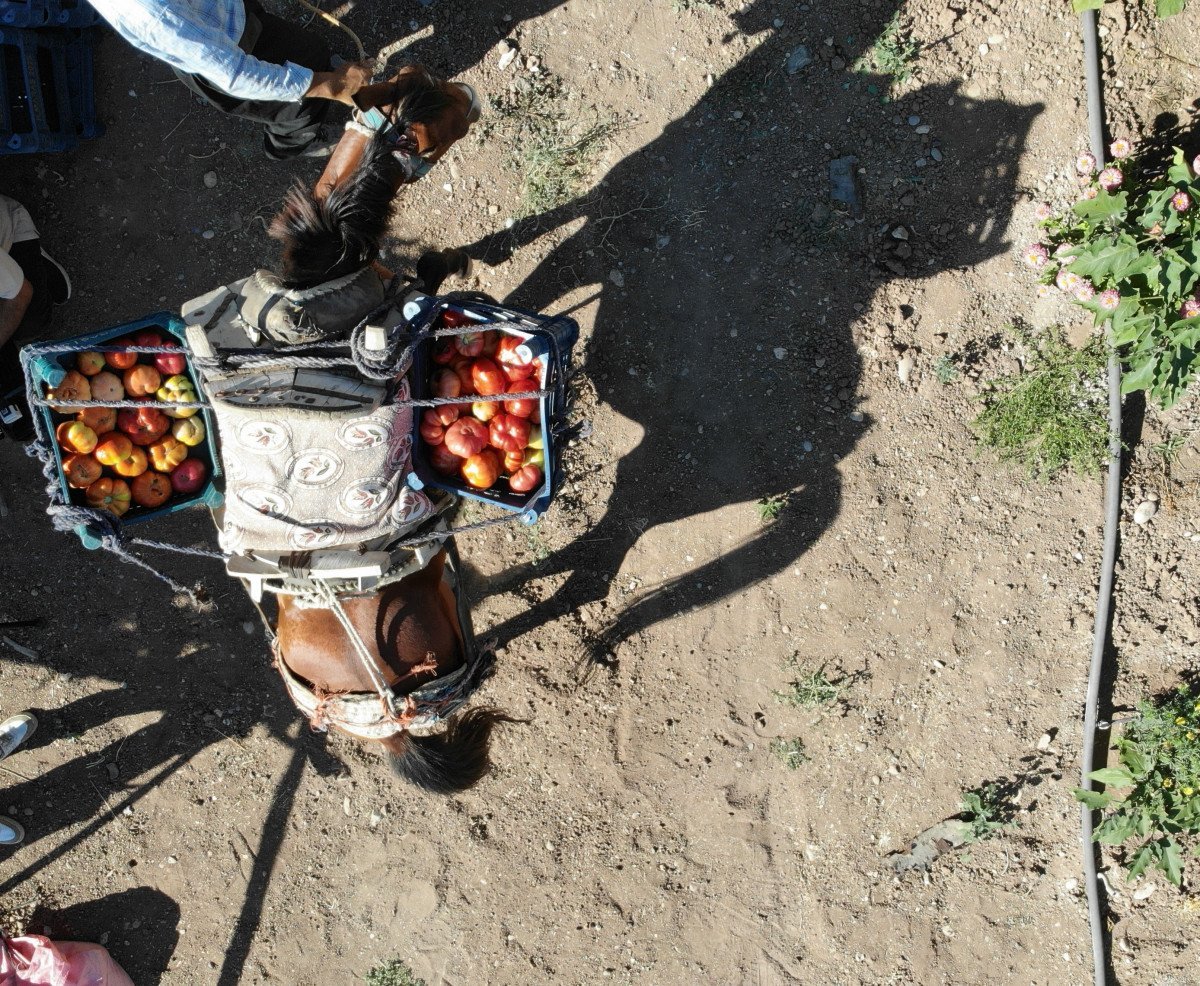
(1112, 507)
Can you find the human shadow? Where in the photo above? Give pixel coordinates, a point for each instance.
(139, 927)
(724, 324)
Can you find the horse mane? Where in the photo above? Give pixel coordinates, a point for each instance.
(342, 232)
(450, 761)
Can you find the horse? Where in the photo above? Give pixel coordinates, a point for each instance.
(416, 631)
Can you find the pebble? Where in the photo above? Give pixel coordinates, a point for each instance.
(798, 59)
(856, 416)
(780, 352)
(208, 234)
(777, 23)
(210, 179)
(346, 806)
(662, 242)
(248, 627)
(533, 64)
(737, 114)
(508, 53)
(924, 128)
(807, 446)
(904, 368)
(617, 277)
(1043, 742)
(935, 154)
(899, 233)
(914, 120)
(1145, 510)
(1143, 892)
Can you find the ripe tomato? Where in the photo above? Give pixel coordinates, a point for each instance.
(462, 366)
(113, 446)
(142, 380)
(470, 346)
(485, 410)
(150, 489)
(455, 320)
(143, 425)
(444, 461)
(482, 469)
(446, 383)
(75, 436)
(486, 377)
(466, 436)
(167, 453)
(109, 494)
(134, 464)
(524, 407)
(446, 414)
(81, 470)
(120, 361)
(525, 479)
(444, 352)
(432, 430)
(147, 337)
(514, 460)
(99, 419)
(508, 433)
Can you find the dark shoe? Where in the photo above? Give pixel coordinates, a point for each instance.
(57, 280)
(317, 149)
(15, 420)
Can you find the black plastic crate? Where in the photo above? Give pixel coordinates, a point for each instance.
(47, 93)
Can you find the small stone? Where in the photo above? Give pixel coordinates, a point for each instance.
(375, 819)
(899, 233)
(662, 242)
(1145, 510)
(924, 128)
(210, 179)
(935, 154)
(807, 446)
(914, 120)
(1043, 742)
(798, 59)
(1143, 892)
(617, 277)
(983, 49)
(837, 64)
(533, 64)
(346, 806)
(248, 627)
(777, 23)
(508, 54)
(856, 416)
(208, 234)
(171, 860)
(737, 114)
(113, 771)
(904, 368)
(780, 352)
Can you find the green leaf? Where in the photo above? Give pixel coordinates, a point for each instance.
(1103, 206)
(1134, 759)
(1117, 776)
(1093, 799)
(1171, 864)
(1141, 859)
(1167, 8)
(1103, 258)
(1142, 263)
(1115, 829)
(1081, 5)
(1178, 172)
(1140, 375)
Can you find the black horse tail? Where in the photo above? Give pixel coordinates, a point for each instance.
(450, 761)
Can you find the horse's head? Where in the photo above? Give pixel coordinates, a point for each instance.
(402, 128)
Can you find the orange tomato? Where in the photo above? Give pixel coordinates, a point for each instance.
(112, 447)
(75, 436)
(482, 469)
(120, 361)
(167, 453)
(133, 464)
(109, 494)
(150, 489)
(74, 387)
(141, 380)
(81, 470)
(99, 419)
(89, 363)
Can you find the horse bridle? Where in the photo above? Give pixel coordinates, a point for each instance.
(397, 133)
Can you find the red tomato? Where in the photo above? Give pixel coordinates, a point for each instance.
(508, 433)
(444, 414)
(471, 345)
(462, 366)
(514, 460)
(455, 320)
(536, 417)
(143, 425)
(524, 407)
(482, 469)
(506, 351)
(444, 461)
(120, 361)
(431, 430)
(485, 410)
(525, 479)
(446, 384)
(147, 337)
(466, 437)
(444, 352)
(487, 377)
(491, 339)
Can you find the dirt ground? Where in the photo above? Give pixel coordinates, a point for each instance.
(741, 340)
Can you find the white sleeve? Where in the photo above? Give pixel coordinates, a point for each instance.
(11, 276)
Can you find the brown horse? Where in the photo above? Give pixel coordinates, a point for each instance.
(413, 631)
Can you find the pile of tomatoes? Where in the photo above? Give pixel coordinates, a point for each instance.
(489, 444)
(132, 456)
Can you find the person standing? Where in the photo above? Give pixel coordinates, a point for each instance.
(245, 62)
(31, 283)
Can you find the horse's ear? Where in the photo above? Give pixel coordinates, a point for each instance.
(450, 761)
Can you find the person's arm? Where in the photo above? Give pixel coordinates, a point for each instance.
(13, 309)
(341, 84)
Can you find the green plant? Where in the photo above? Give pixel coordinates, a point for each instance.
(791, 753)
(945, 370)
(1169, 448)
(1128, 251)
(770, 507)
(986, 811)
(893, 53)
(810, 688)
(1159, 756)
(1164, 8)
(1051, 415)
(393, 973)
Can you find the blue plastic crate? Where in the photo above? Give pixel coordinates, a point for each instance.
(48, 371)
(24, 13)
(550, 340)
(71, 13)
(47, 93)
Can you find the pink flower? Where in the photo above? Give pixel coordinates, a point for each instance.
(1090, 193)
(1120, 148)
(1066, 280)
(1043, 290)
(1036, 256)
(1085, 164)
(1190, 308)
(1043, 211)
(1062, 249)
(1110, 179)
(1181, 201)
(1109, 299)
(1196, 165)
(1083, 290)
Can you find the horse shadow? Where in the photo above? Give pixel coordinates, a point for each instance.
(724, 323)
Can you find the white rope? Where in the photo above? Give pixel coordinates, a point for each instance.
(360, 648)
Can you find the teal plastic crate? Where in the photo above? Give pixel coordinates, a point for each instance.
(48, 370)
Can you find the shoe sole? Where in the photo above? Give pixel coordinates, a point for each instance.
(62, 270)
(17, 828)
(33, 725)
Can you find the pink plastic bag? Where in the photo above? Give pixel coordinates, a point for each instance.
(33, 960)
